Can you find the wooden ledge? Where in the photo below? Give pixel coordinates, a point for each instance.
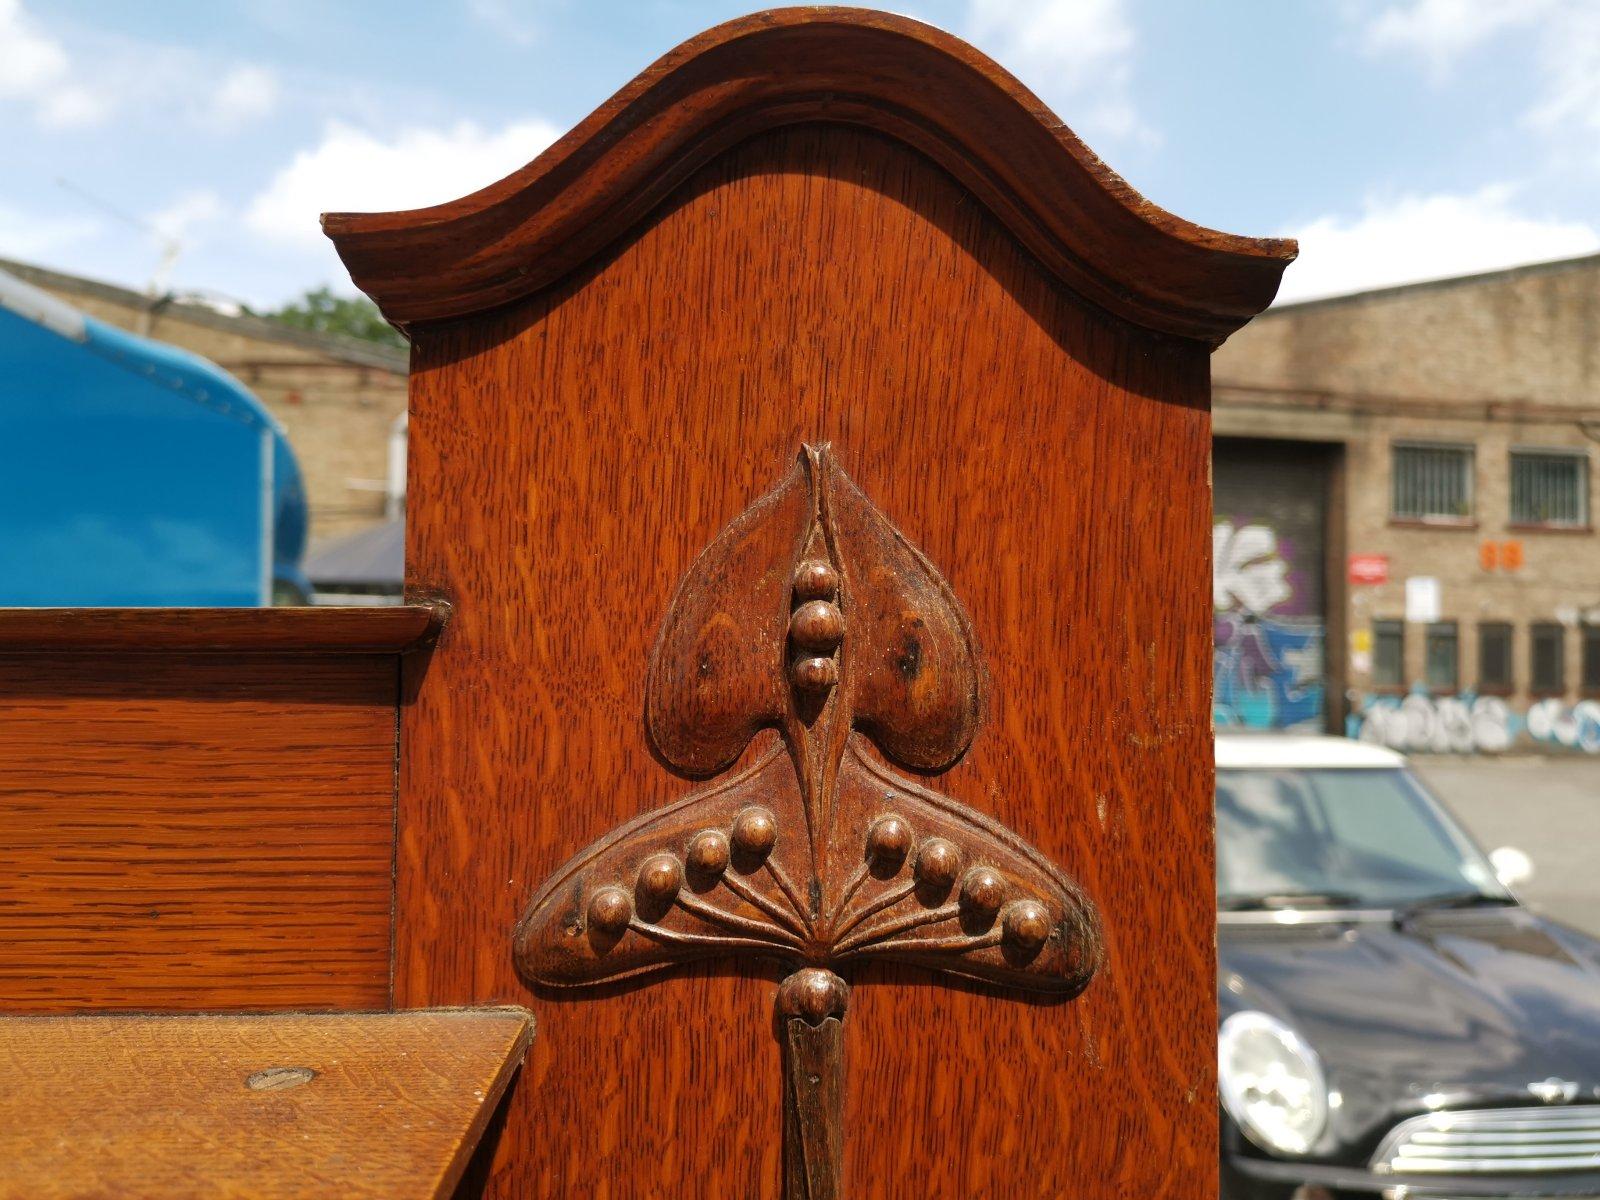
(285, 1105)
(389, 630)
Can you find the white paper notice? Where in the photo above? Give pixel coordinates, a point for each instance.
(1422, 598)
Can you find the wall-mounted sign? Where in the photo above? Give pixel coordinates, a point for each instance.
(1422, 599)
(1369, 568)
(1500, 556)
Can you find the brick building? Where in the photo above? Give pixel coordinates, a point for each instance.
(340, 400)
(1404, 498)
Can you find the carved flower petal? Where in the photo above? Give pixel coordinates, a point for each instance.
(910, 663)
(716, 673)
(970, 898)
(648, 895)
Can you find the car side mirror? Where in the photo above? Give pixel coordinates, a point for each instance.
(1511, 866)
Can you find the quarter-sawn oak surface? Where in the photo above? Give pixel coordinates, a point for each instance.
(571, 455)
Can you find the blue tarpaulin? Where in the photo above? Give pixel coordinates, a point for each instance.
(135, 473)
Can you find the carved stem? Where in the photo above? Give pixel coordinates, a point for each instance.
(743, 890)
(811, 1008)
(888, 929)
(888, 900)
(715, 916)
(802, 910)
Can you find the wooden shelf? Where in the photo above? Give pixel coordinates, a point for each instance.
(274, 1106)
(387, 630)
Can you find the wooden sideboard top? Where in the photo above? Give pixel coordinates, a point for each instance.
(279, 1105)
(388, 630)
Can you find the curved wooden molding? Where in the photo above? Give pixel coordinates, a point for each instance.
(807, 65)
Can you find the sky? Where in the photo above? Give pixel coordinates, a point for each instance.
(195, 142)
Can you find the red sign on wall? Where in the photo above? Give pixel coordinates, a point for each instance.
(1369, 568)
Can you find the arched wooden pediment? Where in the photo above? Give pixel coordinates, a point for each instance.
(795, 66)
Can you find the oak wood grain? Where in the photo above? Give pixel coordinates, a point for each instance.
(191, 832)
(572, 453)
(806, 65)
(238, 630)
(270, 1107)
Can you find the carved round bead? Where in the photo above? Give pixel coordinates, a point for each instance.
(817, 625)
(889, 840)
(609, 911)
(815, 674)
(816, 580)
(755, 832)
(938, 863)
(1026, 926)
(813, 994)
(982, 892)
(708, 853)
(660, 877)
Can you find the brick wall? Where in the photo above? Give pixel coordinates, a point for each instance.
(1499, 361)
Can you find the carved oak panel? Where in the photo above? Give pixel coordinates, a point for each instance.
(812, 616)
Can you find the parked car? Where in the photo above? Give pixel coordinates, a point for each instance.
(1393, 1021)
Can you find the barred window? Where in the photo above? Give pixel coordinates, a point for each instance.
(1494, 657)
(1591, 659)
(1442, 654)
(1388, 653)
(1547, 645)
(1549, 487)
(1432, 483)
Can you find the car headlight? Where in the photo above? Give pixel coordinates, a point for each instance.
(1271, 1083)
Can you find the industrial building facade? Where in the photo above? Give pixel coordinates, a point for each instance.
(1404, 496)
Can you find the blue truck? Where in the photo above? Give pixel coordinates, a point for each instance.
(134, 473)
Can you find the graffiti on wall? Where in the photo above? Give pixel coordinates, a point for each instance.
(1469, 724)
(1268, 647)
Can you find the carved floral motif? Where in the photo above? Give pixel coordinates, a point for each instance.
(813, 625)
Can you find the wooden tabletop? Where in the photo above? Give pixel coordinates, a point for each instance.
(284, 1105)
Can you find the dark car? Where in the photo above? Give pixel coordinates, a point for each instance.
(1392, 1021)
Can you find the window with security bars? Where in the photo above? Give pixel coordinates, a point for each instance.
(1388, 653)
(1547, 658)
(1494, 658)
(1591, 660)
(1549, 487)
(1431, 483)
(1441, 657)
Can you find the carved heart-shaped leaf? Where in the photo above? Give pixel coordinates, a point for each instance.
(716, 673)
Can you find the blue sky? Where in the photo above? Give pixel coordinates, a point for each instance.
(1400, 139)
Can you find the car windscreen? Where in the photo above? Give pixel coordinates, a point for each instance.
(1339, 838)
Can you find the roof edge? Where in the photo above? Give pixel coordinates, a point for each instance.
(793, 66)
(1546, 266)
(345, 349)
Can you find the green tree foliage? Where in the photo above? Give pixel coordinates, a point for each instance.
(321, 311)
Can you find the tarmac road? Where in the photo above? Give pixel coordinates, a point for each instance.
(1547, 807)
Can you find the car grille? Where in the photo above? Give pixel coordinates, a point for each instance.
(1493, 1141)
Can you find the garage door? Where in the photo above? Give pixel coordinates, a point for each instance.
(1269, 540)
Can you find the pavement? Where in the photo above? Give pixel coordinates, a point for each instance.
(1547, 807)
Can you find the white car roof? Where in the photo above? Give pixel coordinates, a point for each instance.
(1259, 751)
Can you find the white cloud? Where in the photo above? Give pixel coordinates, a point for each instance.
(34, 70)
(27, 236)
(351, 170)
(1565, 36)
(187, 213)
(503, 18)
(1074, 53)
(1442, 30)
(29, 61)
(246, 93)
(1414, 237)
